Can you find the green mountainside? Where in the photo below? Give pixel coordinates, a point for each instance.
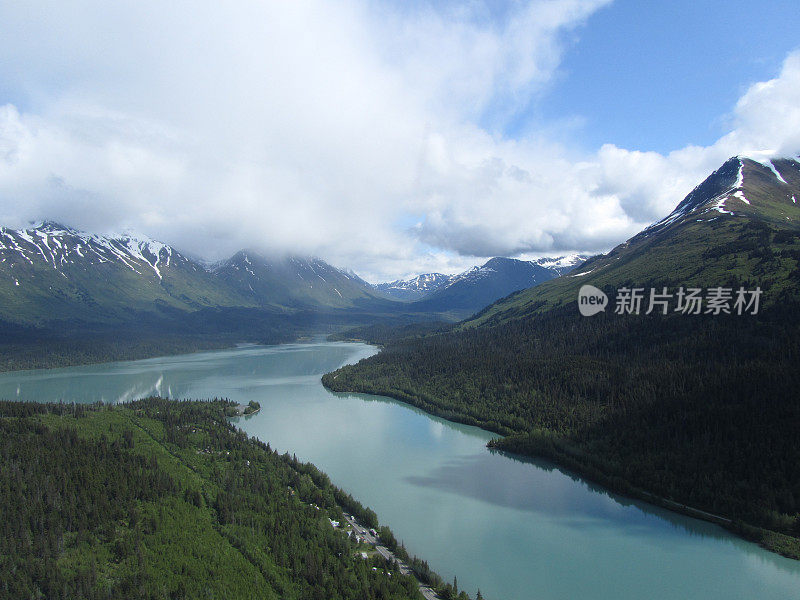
(293, 282)
(51, 274)
(71, 297)
(54, 276)
(697, 409)
(724, 233)
(166, 500)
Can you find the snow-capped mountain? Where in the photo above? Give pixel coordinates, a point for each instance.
(416, 288)
(480, 286)
(462, 294)
(734, 187)
(51, 273)
(728, 215)
(60, 247)
(510, 272)
(561, 264)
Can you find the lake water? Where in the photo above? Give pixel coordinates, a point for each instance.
(515, 529)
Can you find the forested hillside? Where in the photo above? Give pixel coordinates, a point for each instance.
(159, 499)
(700, 409)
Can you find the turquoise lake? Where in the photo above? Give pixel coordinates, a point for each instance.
(515, 529)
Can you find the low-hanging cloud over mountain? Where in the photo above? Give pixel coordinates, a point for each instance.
(369, 135)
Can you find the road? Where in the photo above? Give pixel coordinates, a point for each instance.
(372, 540)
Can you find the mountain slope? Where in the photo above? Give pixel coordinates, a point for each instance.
(483, 285)
(54, 276)
(415, 289)
(160, 499)
(291, 282)
(473, 289)
(696, 409)
(51, 273)
(738, 227)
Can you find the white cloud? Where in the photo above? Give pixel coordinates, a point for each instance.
(316, 127)
(488, 197)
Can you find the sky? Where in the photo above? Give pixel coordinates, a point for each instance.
(392, 138)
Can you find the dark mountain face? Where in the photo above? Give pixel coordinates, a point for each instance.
(715, 186)
(497, 278)
(292, 281)
(473, 289)
(733, 188)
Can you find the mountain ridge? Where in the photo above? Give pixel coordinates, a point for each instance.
(51, 273)
(478, 287)
(727, 215)
(696, 410)
(422, 286)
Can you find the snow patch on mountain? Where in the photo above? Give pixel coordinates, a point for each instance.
(423, 285)
(59, 246)
(765, 158)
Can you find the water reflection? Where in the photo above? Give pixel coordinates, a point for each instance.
(516, 528)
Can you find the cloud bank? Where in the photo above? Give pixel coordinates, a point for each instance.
(370, 135)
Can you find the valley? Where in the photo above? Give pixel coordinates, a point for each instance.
(379, 300)
(512, 527)
(698, 409)
(71, 297)
(650, 406)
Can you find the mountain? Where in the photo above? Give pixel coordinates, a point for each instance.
(473, 289)
(736, 228)
(696, 412)
(50, 273)
(291, 281)
(55, 276)
(417, 288)
(561, 264)
(480, 286)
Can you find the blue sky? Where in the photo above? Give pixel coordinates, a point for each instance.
(389, 137)
(661, 75)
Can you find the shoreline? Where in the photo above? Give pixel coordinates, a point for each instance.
(769, 540)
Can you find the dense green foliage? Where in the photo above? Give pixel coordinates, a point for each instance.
(24, 347)
(701, 410)
(59, 352)
(383, 333)
(159, 499)
(252, 407)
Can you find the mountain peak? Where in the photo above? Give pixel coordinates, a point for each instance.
(52, 227)
(476, 287)
(754, 184)
(60, 248)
